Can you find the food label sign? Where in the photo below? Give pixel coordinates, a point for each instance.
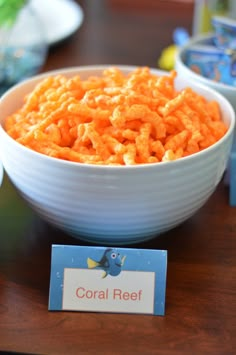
(106, 279)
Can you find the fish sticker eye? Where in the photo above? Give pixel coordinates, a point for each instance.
(113, 255)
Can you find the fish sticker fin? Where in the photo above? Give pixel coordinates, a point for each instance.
(123, 260)
(92, 263)
(104, 275)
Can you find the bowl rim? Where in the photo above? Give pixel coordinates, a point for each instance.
(157, 165)
(179, 61)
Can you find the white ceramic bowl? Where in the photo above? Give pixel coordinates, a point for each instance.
(112, 204)
(228, 91)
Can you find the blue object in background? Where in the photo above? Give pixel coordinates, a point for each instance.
(180, 36)
(231, 176)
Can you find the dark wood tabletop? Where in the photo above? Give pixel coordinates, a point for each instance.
(201, 280)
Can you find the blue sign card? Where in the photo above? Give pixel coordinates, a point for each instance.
(105, 279)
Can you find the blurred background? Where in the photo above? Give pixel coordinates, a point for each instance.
(133, 19)
(97, 32)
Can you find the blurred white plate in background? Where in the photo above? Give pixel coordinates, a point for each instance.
(60, 18)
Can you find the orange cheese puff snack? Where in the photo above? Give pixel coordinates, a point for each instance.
(116, 119)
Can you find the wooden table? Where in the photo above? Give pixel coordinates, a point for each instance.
(201, 283)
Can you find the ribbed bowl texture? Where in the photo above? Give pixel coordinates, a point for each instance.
(113, 205)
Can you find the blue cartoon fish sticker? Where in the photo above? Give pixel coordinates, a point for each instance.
(111, 262)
